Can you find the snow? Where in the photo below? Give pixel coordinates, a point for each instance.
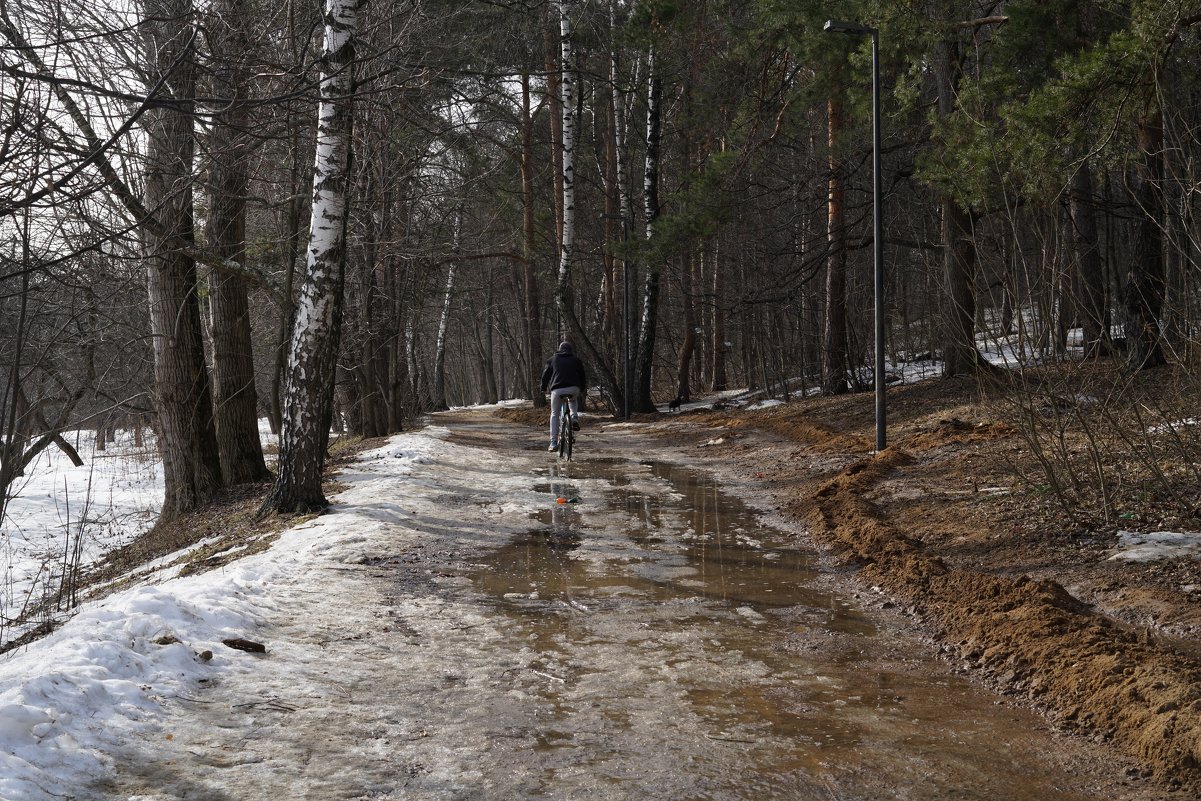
(80, 702)
(1172, 427)
(1134, 546)
(104, 504)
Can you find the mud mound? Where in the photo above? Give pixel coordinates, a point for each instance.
(1031, 637)
(524, 415)
(954, 431)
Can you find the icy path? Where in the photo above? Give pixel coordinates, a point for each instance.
(104, 705)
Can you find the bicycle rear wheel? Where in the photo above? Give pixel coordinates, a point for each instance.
(566, 435)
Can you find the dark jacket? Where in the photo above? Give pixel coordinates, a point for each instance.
(564, 369)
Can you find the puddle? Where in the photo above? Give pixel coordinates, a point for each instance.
(660, 533)
(660, 615)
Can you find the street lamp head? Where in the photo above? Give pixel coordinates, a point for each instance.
(838, 26)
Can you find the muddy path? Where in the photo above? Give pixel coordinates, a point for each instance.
(662, 639)
(651, 636)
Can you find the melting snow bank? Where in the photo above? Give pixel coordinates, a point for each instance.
(80, 703)
(1134, 546)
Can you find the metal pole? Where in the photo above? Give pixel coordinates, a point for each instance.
(878, 254)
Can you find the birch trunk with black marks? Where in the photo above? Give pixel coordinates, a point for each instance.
(182, 396)
(598, 368)
(312, 352)
(644, 364)
(439, 396)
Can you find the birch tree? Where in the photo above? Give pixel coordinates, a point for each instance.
(598, 365)
(312, 353)
(644, 364)
(439, 398)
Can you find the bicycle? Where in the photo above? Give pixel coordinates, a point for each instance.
(566, 433)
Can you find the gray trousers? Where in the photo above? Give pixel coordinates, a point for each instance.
(558, 397)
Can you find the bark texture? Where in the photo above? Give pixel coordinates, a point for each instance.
(1091, 302)
(236, 401)
(313, 350)
(834, 350)
(182, 396)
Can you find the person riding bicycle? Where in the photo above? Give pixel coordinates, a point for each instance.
(564, 376)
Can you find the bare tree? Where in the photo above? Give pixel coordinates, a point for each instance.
(236, 409)
(312, 354)
(183, 400)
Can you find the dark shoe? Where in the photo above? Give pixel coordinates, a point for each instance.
(575, 422)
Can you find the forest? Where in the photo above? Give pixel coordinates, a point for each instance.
(343, 215)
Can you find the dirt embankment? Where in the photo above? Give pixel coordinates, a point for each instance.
(1030, 635)
(1011, 588)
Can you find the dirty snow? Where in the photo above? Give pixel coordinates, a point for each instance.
(1135, 546)
(103, 687)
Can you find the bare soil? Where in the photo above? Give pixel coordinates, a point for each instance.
(1011, 586)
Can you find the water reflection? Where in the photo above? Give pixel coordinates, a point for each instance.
(669, 644)
(663, 533)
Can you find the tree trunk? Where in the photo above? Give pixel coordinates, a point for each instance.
(959, 249)
(531, 319)
(718, 352)
(287, 310)
(439, 397)
(14, 430)
(601, 375)
(610, 298)
(959, 296)
(236, 402)
(312, 353)
(834, 336)
(398, 366)
(565, 176)
(556, 73)
(187, 441)
(644, 365)
(488, 389)
(1091, 303)
(683, 370)
(1146, 285)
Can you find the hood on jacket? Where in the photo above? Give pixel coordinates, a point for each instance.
(565, 347)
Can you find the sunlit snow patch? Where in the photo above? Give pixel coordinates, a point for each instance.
(1173, 426)
(1136, 546)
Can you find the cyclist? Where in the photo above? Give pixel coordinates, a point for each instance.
(564, 376)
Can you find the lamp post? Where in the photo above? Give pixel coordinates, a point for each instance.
(835, 26)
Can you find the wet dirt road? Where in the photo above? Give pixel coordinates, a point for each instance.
(682, 648)
(651, 637)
